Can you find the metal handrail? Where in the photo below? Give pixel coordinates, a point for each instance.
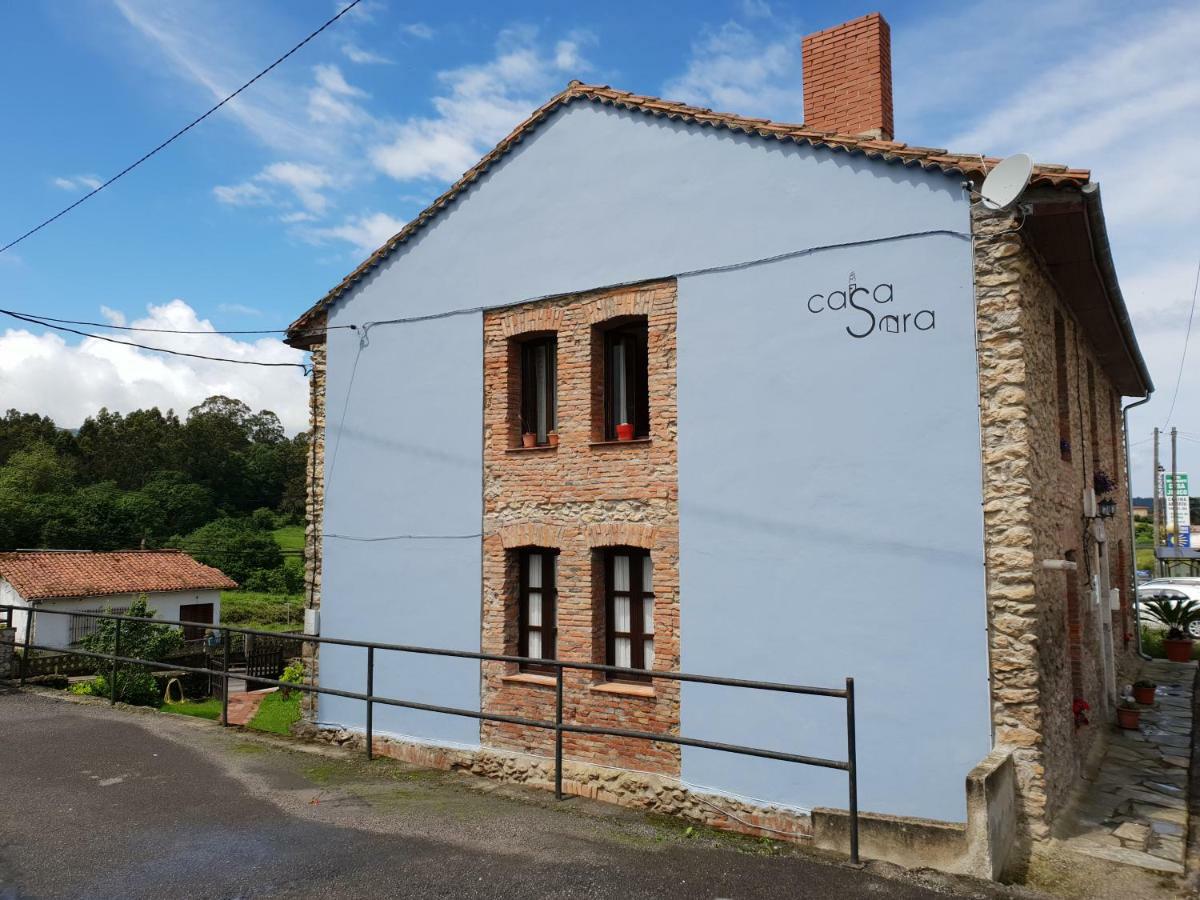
(558, 726)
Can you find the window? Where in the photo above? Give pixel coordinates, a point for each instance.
(626, 388)
(1064, 399)
(629, 594)
(536, 619)
(538, 394)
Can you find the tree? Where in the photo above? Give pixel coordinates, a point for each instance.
(215, 437)
(141, 640)
(128, 449)
(21, 431)
(234, 546)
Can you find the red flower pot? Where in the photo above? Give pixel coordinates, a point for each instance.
(1178, 649)
(529, 439)
(1128, 718)
(1144, 695)
(625, 432)
(553, 438)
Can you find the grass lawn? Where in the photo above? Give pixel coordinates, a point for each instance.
(201, 709)
(277, 714)
(289, 537)
(268, 612)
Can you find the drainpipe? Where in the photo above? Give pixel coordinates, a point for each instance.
(1133, 597)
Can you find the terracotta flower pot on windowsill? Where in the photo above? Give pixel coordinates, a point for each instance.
(529, 439)
(1178, 649)
(624, 432)
(553, 438)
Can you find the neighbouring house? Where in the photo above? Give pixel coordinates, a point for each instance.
(669, 388)
(1143, 512)
(176, 587)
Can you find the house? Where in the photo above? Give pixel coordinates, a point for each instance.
(635, 389)
(176, 587)
(1143, 511)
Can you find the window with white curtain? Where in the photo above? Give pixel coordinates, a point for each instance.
(538, 393)
(536, 619)
(629, 592)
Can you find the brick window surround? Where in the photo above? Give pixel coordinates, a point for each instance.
(581, 498)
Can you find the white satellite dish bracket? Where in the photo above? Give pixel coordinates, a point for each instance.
(1006, 182)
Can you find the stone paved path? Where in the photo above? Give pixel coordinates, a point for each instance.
(1135, 810)
(243, 705)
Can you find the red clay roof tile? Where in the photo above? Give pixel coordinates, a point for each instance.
(42, 574)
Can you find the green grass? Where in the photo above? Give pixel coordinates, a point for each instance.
(277, 714)
(201, 709)
(289, 537)
(268, 612)
(1145, 558)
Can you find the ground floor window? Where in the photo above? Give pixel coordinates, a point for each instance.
(629, 614)
(536, 617)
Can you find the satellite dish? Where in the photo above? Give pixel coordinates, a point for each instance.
(1005, 183)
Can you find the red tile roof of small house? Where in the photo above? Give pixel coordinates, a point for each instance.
(48, 574)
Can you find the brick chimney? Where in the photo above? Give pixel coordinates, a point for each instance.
(848, 78)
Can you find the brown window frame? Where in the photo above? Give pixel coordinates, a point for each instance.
(636, 634)
(529, 397)
(549, 597)
(633, 337)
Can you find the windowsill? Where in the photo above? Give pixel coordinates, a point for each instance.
(530, 678)
(624, 689)
(542, 447)
(640, 440)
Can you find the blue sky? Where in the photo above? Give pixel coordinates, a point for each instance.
(254, 214)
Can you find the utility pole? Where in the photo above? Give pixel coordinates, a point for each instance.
(1175, 529)
(1155, 505)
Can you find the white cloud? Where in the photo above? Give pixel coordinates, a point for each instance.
(357, 54)
(733, 68)
(418, 30)
(366, 233)
(78, 182)
(306, 180)
(239, 309)
(756, 9)
(245, 194)
(331, 99)
(69, 381)
(476, 108)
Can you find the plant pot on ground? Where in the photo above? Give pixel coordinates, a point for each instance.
(1143, 692)
(624, 432)
(1178, 615)
(1129, 714)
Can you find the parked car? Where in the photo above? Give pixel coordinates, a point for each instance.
(1170, 589)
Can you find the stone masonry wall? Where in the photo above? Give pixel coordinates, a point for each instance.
(314, 509)
(579, 497)
(1045, 629)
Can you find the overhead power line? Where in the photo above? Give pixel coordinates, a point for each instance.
(101, 337)
(180, 133)
(154, 330)
(1186, 337)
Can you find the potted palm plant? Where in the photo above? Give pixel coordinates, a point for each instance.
(1178, 616)
(1129, 714)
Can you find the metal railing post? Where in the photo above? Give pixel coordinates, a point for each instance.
(224, 677)
(28, 635)
(852, 771)
(112, 676)
(370, 705)
(558, 734)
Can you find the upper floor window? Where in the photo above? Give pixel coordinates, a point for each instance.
(626, 384)
(536, 619)
(1062, 388)
(538, 393)
(629, 595)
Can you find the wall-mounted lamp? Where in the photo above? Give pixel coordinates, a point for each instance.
(1108, 508)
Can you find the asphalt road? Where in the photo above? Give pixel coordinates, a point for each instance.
(115, 803)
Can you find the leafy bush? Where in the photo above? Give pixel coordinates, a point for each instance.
(293, 673)
(135, 686)
(145, 640)
(282, 580)
(263, 519)
(235, 546)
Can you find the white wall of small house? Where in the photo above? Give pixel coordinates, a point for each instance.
(796, 437)
(50, 630)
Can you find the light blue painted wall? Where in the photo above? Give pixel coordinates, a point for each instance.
(597, 197)
(830, 525)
